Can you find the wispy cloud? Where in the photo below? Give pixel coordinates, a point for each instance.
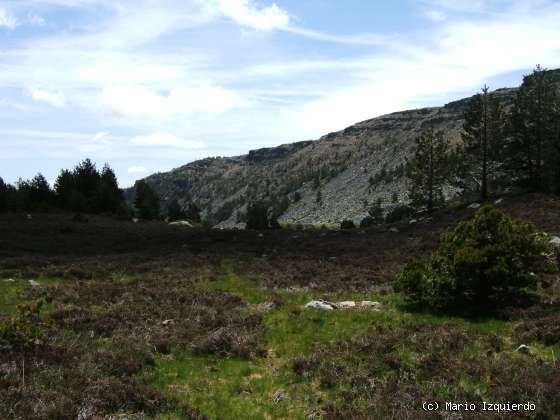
(166, 139)
(100, 135)
(141, 101)
(247, 13)
(54, 98)
(132, 75)
(7, 20)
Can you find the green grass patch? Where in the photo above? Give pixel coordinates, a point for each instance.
(12, 293)
(268, 387)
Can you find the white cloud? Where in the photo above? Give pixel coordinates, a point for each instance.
(35, 20)
(435, 15)
(461, 58)
(166, 139)
(100, 135)
(56, 99)
(245, 13)
(136, 169)
(141, 101)
(7, 20)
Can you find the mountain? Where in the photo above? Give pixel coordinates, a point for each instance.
(316, 182)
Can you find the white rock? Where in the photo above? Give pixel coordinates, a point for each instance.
(320, 304)
(135, 220)
(555, 240)
(168, 322)
(33, 283)
(9, 280)
(370, 304)
(474, 206)
(394, 230)
(348, 304)
(499, 201)
(181, 223)
(412, 221)
(523, 348)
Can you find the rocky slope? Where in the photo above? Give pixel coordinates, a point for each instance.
(325, 181)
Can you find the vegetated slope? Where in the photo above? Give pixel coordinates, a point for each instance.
(147, 319)
(336, 177)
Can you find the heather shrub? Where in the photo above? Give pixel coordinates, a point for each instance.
(484, 261)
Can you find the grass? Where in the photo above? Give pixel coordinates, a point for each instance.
(13, 292)
(109, 304)
(262, 388)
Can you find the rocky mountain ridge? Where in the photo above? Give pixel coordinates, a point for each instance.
(317, 182)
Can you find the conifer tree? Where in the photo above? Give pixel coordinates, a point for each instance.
(481, 155)
(429, 170)
(3, 195)
(174, 210)
(376, 211)
(146, 201)
(109, 197)
(533, 155)
(193, 213)
(40, 193)
(64, 187)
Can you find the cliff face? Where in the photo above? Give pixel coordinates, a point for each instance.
(325, 181)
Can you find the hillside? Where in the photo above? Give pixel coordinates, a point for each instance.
(325, 181)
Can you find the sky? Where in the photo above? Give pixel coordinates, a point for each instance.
(148, 86)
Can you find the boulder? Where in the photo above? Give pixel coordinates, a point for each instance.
(555, 241)
(321, 304)
(181, 223)
(499, 201)
(349, 304)
(33, 283)
(370, 304)
(394, 230)
(523, 348)
(474, 206)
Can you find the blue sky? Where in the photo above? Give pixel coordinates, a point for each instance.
(150, 85)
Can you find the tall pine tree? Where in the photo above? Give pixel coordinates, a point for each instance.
(429, 170)
(481, 155)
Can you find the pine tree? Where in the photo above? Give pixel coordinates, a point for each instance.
(146, 201)
(257, 216)
(481, 155)
(86, 178)
(193, 213)
(40, 193)
(429, 170)
(3, 195)
(376, 211)
(109, 197)
(174, 210)
(533, 155)
(64, 187)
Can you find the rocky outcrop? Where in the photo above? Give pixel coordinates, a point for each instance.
(319, 182)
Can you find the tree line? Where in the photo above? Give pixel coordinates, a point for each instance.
(83, 189)
(499, 149)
